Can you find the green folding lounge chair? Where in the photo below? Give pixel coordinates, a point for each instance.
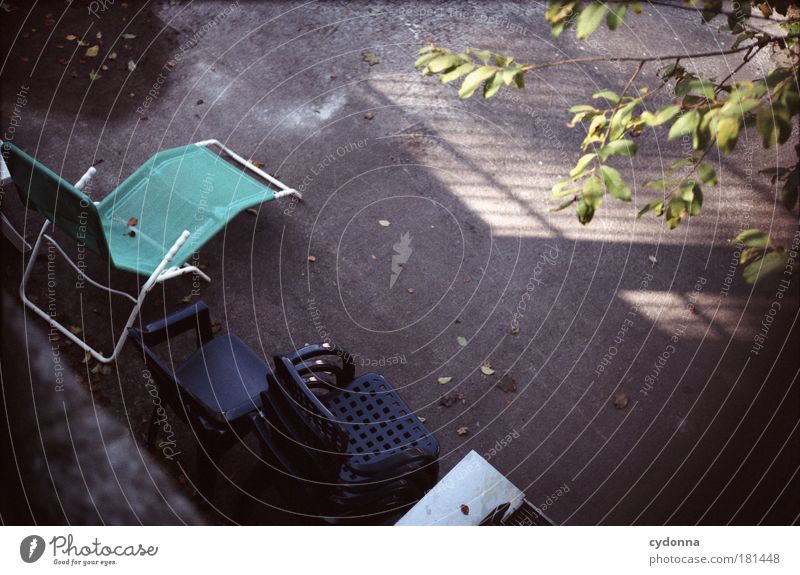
(151, 224)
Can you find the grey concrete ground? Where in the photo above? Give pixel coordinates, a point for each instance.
(710, 430)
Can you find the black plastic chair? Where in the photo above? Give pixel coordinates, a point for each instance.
(351, 445)
(215, 390)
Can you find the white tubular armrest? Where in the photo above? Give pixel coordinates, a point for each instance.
(284, 189)
(166, 261)
(85, 178)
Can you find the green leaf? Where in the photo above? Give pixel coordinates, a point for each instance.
(491, 87)
(615, 15)
(444, 380)
(753, 238)
(770, 263)
(483, 55)
(663, 115)
(738, 107)
(727, 133)
(456, 73)
(566, 204)
(773, 125)
(474, 80)
(589, 19)
(608, 95)
(686, 124)
(697, 201)
(620, 119)
(581, 108)
(443, 62)
(682, 162)
(585, 212)
(425, 49)
(702, 87)
(502, 60)
(583, 162)
(615, 184)
(707, 174)
(657, 205)
(422, 60)
(617, 148)
(519, 79)
(661, 184)
(462, 341)
(676, 210)
(593, 187)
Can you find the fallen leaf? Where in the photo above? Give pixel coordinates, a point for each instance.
(71, 37)
(92, 52)
(421, 419)
(99, 35)
(507, 383)
(200, 101)
(514, 330)
(87, 357)
(132, 234)
(652, 259)
(465, 509)
(186, 298)
(112, 56)
(312, 259)
(370, 57)
(444, 380)
(462, 430)
(81, 43)
(129, 36)
(462, 341)
(385, 223)
(369, 116)
(620, 400)
(216, 327)
(486, 368)
(132, 222)
(448, 400)
(131, 65)
(410, 290)
(75, 330)
(93, 75)
(258, 165)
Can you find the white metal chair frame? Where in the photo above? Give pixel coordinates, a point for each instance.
(162, 272)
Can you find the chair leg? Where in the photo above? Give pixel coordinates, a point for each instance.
(138, 301)
(41, 238)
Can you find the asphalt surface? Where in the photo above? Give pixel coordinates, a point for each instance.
(326, 97)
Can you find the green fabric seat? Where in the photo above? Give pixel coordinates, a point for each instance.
(186, 188)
